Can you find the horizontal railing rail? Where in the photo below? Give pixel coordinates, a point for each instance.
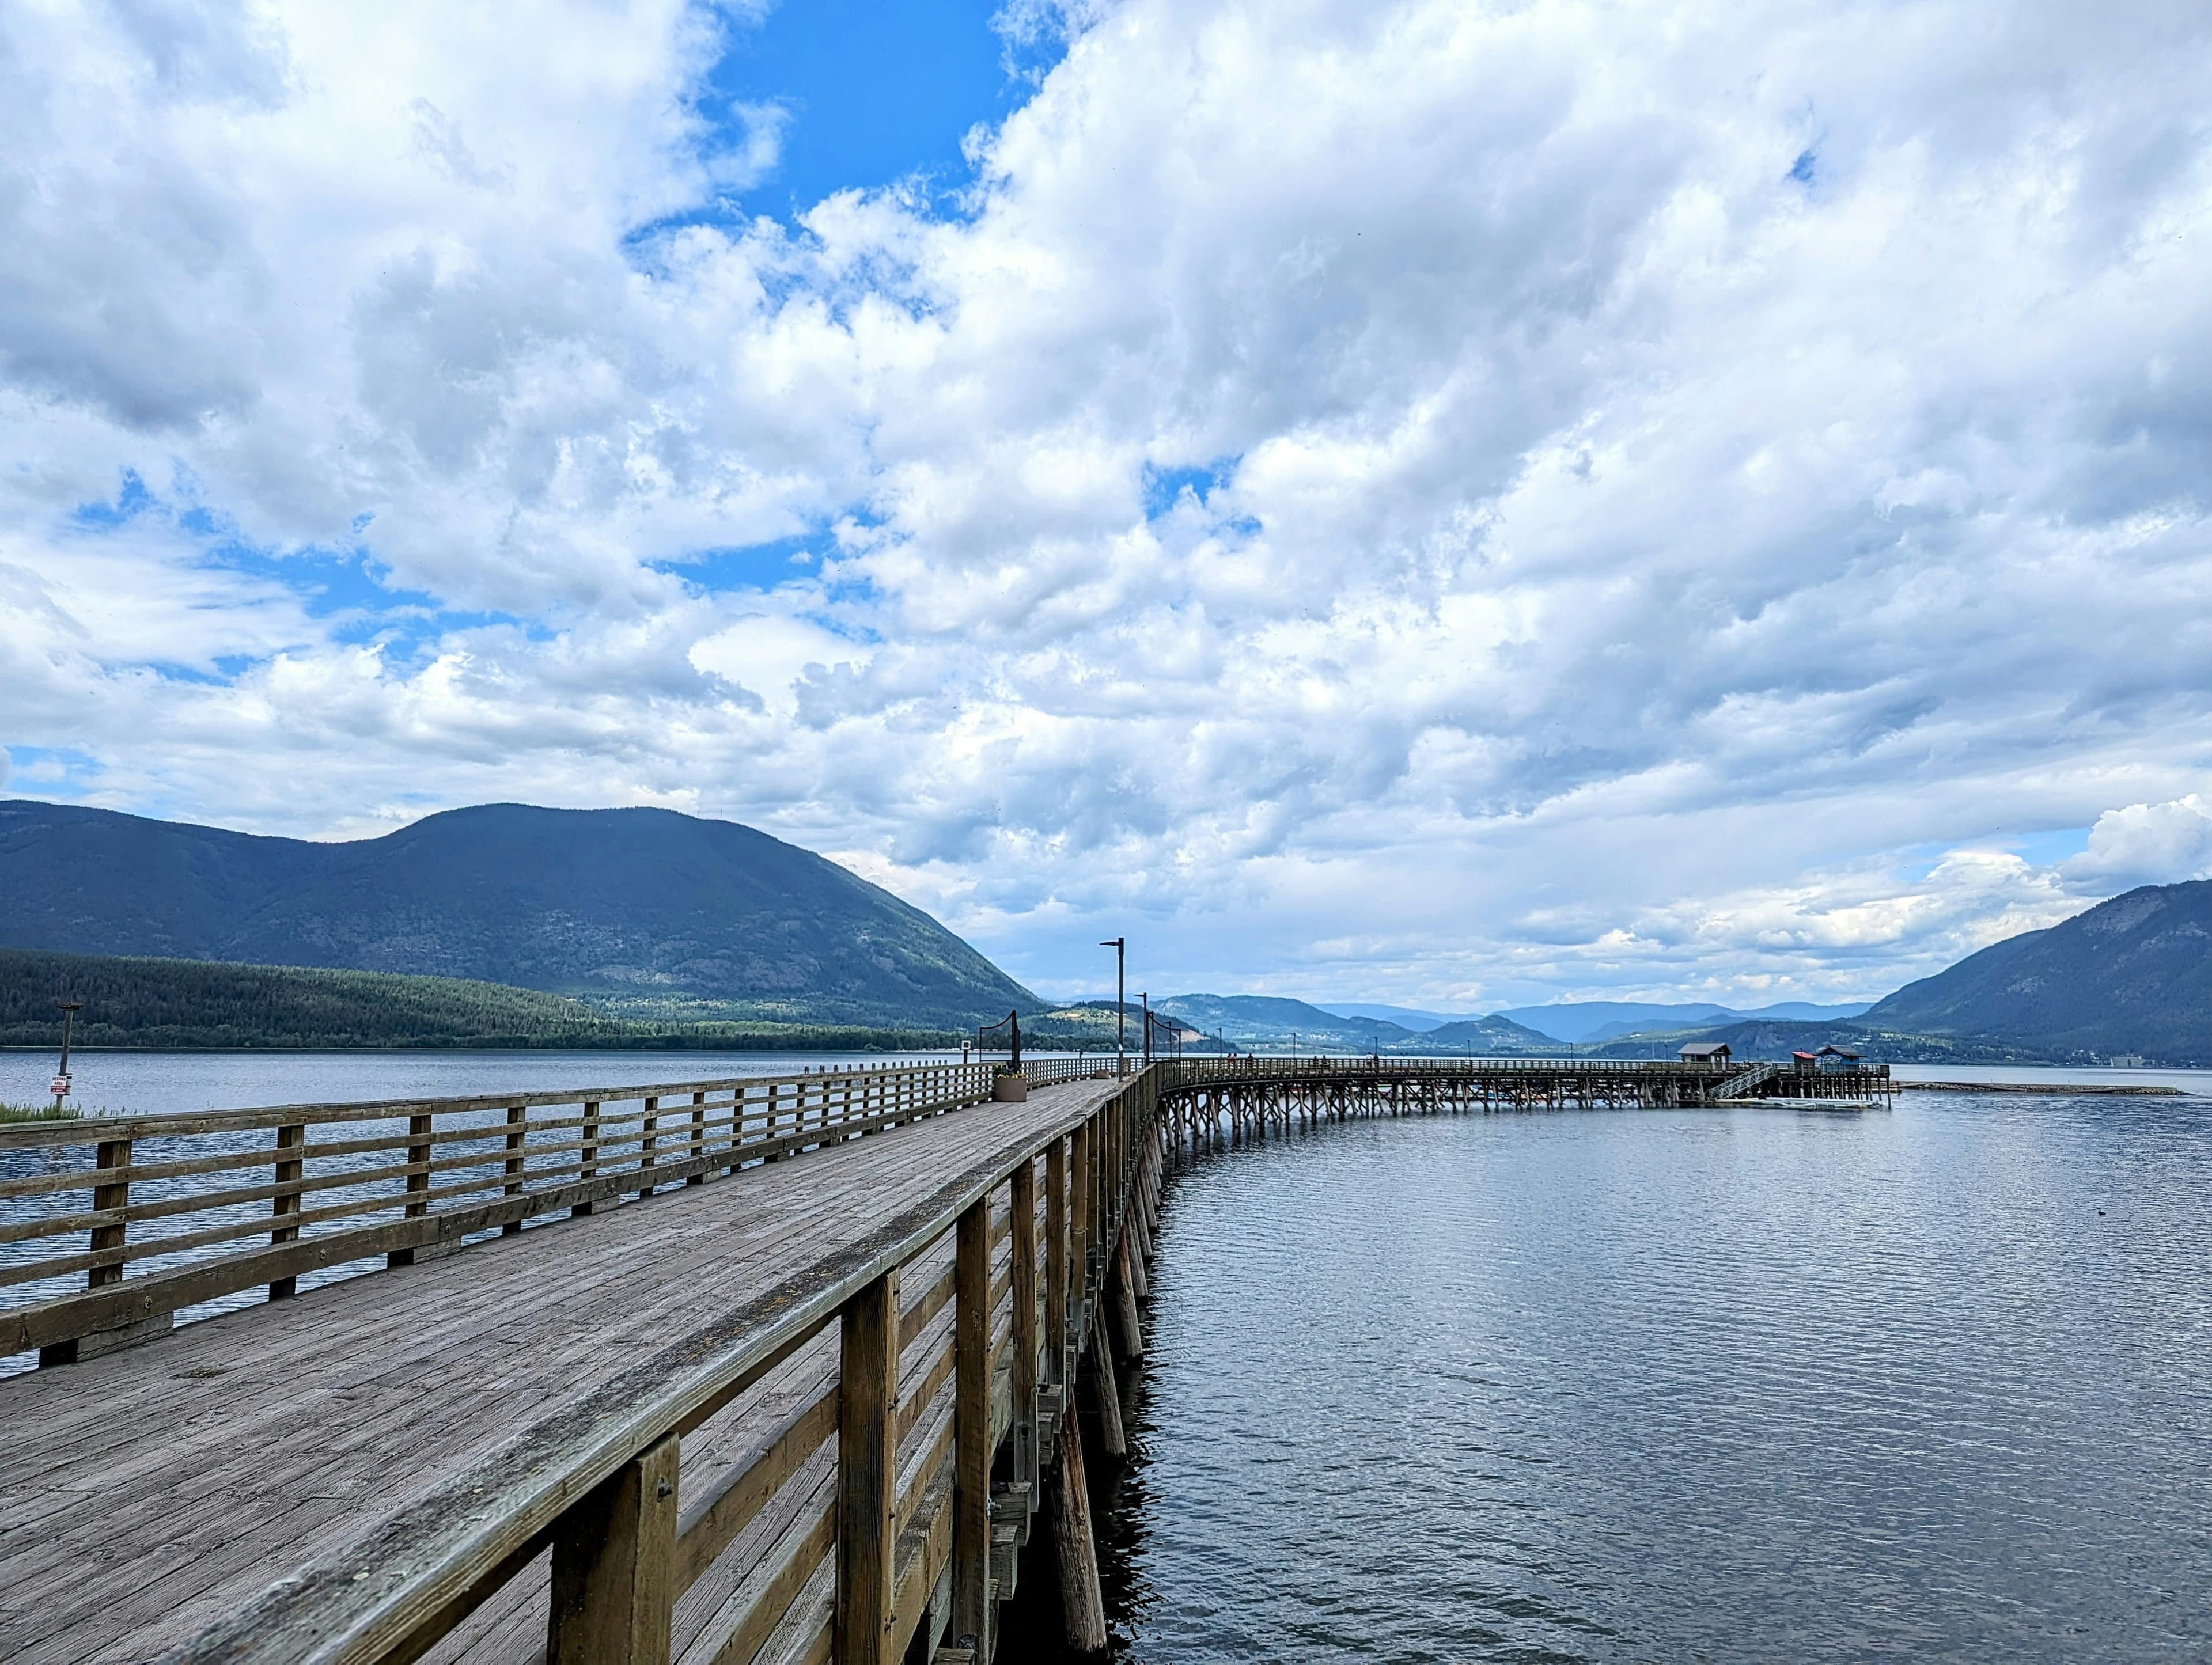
(922, 1350)
(110, 1226)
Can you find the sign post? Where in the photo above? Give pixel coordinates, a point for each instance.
(61, 1088)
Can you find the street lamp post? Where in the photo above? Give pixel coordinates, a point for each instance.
(1120, 947)
(68, 1010)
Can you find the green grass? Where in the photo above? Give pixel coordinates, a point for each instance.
(42, 1113)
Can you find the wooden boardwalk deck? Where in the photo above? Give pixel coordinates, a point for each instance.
(149, 1493)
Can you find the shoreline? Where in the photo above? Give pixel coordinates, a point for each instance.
(2049, 1088)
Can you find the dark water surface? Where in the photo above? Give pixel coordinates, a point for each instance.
(1732, 1385)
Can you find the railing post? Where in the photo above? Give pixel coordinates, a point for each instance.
(1056, 1251)
(289, 1137)
(588, 1165)
(649, 1144)
(614, 1567)
(418, 1129)
(112, 1153)
(698, 1134)
(1078, 1265)
(518, 1136)
(867, 1474)
(1024, 1248)
(971, 1427)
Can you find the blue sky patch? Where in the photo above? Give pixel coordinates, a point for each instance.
(131, 500)
(51, 768)
(327, 581)
(2043, 848)
(755, 565)
(1802, 169)
(872, 93)
(1164, 487)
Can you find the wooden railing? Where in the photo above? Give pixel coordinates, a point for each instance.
(930, 1361)
(155, 1214)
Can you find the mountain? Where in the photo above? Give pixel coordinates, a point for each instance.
(1264, 1020)
(1269, 1021)
(644, 912)
(1491, 1035)
(1410, 1018)
(2133, 975)
(1607, 1020)
(1767, 1039)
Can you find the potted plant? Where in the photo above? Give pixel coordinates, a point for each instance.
(1009, 1085)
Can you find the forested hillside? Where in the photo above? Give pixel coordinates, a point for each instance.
(649, 914)
(156, 1003)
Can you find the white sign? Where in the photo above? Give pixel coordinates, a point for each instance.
(60, 1089)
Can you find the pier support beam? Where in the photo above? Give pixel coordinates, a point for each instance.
(1083, 1604)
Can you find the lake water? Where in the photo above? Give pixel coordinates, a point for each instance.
(152, 1083)
(1736, 1385)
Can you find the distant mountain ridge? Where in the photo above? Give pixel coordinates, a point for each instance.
(2133, 975)
(1580, 1021)
(643, 911)
(1267, 1020)
(2129, 978)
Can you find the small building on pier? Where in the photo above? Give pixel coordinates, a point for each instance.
(1706, 1052)
(1829, 1058)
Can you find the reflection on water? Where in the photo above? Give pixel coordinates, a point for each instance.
(1732, 1385)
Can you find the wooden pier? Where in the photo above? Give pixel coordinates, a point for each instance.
(1208, 1099)
(769, 1370)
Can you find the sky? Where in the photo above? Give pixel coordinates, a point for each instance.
(1453, 504)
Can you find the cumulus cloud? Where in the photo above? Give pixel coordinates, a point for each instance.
(1444, 502)
(2145, 844)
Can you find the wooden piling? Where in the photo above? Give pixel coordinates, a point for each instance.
(1083, 1604)
(1109, 1393)
(1125, 1304)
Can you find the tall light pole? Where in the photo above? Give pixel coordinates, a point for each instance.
(1120, 947)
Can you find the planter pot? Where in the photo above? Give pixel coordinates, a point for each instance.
(1009, 1090)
